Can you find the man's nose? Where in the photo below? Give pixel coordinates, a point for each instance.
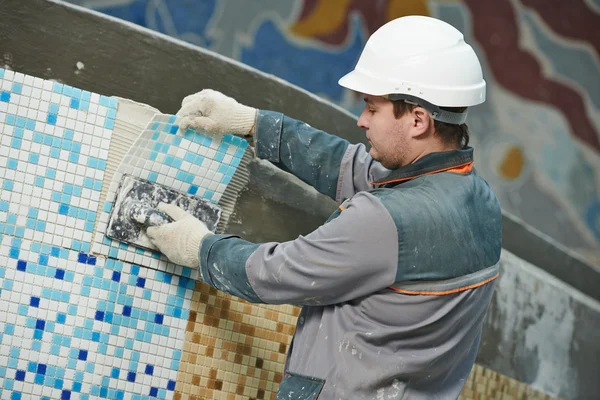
(362, 121)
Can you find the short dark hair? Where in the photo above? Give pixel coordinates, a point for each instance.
(456, 135)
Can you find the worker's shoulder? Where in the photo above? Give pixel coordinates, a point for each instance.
(438, 191)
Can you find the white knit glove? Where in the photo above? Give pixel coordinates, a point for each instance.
(179, 240)
(217, 113)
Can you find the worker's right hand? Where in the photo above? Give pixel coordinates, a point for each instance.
(216, 113)
(181, 239)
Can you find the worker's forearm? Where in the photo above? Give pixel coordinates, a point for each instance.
(222, 265)
(310, 154)
(335, 263)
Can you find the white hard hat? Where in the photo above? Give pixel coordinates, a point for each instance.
(422, 60)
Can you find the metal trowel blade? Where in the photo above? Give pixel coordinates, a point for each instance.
(134, 189)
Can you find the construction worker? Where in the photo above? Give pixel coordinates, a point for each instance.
(395, 285)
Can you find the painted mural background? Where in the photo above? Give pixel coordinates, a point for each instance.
(537, 138)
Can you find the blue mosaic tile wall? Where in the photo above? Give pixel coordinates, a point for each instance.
(81, 327)
(75, 324)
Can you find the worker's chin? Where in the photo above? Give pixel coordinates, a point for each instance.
(377, 156)
(373, 153)
(383, 161)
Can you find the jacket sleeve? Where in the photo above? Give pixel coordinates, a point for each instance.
(328, 163)
(353, 255)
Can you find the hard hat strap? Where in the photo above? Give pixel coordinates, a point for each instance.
(436, 112)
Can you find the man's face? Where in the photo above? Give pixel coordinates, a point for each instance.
(387, 135)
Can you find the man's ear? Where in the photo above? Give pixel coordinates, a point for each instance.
(421, 121)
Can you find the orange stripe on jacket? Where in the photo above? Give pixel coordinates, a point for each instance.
(461, 169)
(462, 289)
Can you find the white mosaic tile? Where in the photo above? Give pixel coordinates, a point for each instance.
(53, 153)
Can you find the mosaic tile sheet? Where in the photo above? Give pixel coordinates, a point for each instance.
(191, 162)
(233, 349)
(53, 151)
(79, 327)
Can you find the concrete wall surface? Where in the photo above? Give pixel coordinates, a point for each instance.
(542, 332)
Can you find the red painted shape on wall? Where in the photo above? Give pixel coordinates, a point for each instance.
(496, 31)
(572, 19)
(308, 7)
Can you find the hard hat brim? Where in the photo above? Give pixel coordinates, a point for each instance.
(359, 82)
(464, 96)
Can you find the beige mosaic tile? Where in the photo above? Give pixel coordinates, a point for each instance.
(233, 349)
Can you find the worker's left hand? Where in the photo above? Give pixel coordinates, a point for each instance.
(216, 113)
(179, 240)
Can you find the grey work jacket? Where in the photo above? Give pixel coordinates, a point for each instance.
(394, 287)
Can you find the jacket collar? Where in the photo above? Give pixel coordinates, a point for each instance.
(460, 161)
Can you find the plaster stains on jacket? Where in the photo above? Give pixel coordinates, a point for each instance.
(299, 150)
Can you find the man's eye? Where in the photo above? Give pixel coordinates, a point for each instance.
(372, 111)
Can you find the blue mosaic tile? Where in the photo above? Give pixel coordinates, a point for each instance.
(62, 141)
(77, 312)
(122, 321)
